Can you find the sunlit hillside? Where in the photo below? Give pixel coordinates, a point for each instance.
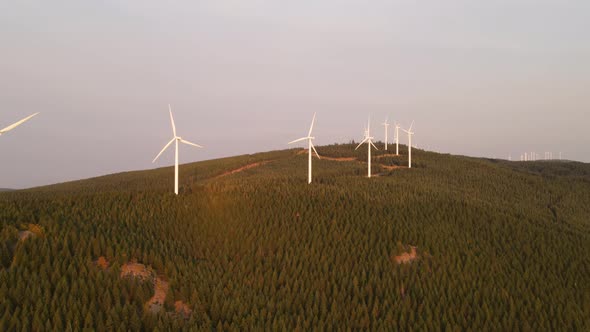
(453, 243)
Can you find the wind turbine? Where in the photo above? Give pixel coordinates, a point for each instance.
(175, 139)
(410, 133)
(369, 140)
(386, 130)
(14, 125)
(310, 146)
(397, 127)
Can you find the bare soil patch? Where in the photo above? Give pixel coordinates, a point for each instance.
(387, 155)
(183, 309)
(407, 257)
(102, 262)
(391, 167)
(136, 270)
(161, 286)
(23, 235)
(339, 159)
(33, 230)
(243, 168)
(156, 303)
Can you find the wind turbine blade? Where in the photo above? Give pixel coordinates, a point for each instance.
(316, 151)
(373, 145)
(405, 130)
(361, 143)
(298, 140)
(312, 122)
(190, 143)
(164, 149)
(172, 120)
(14, 125)
(410, 129)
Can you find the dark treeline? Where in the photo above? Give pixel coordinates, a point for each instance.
(502, 246)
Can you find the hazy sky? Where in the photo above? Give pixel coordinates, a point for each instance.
(481, 78)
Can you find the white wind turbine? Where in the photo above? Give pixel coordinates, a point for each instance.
(369, 140)
(310, 147)
(386, 124)
(410, 133)
(14, 125)
(397, 127)
(175, 139)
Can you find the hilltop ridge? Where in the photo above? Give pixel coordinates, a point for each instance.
(453, 243)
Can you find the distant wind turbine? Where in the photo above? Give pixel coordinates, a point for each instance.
(410, 133)
(14, 125)
(369, 140)
(386, 124)
(397, 127)
(175, 139)
(310, 147)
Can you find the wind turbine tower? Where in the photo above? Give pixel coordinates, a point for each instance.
(410, 133)
(310, 146)
(16, 124)
(386, 124)
(369, 140)
(176, 139)
(397, 127)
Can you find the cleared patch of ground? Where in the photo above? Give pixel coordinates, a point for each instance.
(387, 155)
(33, 230)
(23, 235)
(102, 262)
(136, 270)
(156, 303)
(340, 159)
(243, 168)
(183, 309)
(392, 167)
(407, 257)
(161, 286)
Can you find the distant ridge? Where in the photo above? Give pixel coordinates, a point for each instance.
(6, 189)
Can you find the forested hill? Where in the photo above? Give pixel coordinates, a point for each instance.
(454, 243)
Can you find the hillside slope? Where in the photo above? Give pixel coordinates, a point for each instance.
(453, 243)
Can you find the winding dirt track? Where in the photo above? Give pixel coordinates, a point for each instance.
(387, 155)
(243, 168)
(340, 159)
(304, 151)
(156, 302)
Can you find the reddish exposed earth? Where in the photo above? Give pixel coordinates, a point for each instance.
(156, 303)
(102, 263)
(243, 168)
(407, 257)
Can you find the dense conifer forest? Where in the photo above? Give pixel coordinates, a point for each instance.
(455, 243)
